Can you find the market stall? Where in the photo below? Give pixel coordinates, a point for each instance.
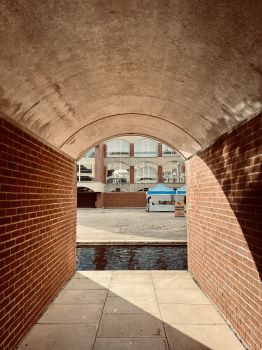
(180, 205)
(161, 198)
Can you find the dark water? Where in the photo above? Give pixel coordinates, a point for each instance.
(132, 258)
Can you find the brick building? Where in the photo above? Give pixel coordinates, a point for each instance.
(122, 169)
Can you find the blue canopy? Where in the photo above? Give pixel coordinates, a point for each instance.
(181, 190)
(161, 189)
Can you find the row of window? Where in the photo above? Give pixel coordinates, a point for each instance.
(142, 148)
(145, 172)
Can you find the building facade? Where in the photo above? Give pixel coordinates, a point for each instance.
(129, 164)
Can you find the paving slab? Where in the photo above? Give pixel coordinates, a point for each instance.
(89, 314)
(131, 290)
(135, 316)
(88, 283)
(72, 296)
(60, 337)
(131, 344)
(93, 275)
(130, 325)
(174, 314)
(131, 277)
(175, 283)
(181, 296)
(202, 337)
(139, 305)
(157, 274)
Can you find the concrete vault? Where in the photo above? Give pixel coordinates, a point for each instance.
(77, 72)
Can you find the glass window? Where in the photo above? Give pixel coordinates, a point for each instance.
(146, 172)
(118, 173)
(90, 153)
(117, 148)
(145, 148)
(86, 169)
(174, 172)
(168, 151)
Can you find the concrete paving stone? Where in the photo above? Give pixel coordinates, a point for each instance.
(88, 283)
(88, 313)
(131, 344)
(86, 296)
(130, 325)
(189, 314)
(94, 275)
(60, 337)
(131, 290)
(131, 277)
(187, 296)
(132, 305)
(170, 273)
(174, 283)
(202, 337)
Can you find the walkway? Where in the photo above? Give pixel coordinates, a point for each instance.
(131, 310)
(129, 225)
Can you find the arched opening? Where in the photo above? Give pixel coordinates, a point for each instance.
(75, 74)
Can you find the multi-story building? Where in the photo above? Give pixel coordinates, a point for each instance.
(129, 164)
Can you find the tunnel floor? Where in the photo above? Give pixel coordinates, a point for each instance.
(124, 310)
(134, 226)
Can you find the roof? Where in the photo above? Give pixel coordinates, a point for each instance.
(181, 190)
(161, 189)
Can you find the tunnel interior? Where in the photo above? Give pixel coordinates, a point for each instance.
(79, 72)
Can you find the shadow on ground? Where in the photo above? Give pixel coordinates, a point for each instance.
(93, 312)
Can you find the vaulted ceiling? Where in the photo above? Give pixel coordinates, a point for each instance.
(76, 72)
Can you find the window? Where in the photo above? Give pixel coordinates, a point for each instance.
(168, 151)
(146, 172)
(117, 148)
(145, 189)
(145, 148)
(174, 172)
(118, 173)
(85, 169)
(90, 153)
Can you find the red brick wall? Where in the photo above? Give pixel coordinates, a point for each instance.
(86, 200)
(124, 200)
(224, 227)
(38, 220)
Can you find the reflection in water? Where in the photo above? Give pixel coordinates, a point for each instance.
(132, 258)
(100, 259)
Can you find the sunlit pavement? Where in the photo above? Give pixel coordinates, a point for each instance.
(129, 225)
(124, 310)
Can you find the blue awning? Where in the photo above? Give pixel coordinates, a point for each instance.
(161, 189)
(181, 190)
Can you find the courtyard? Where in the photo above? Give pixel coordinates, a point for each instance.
(134, 226)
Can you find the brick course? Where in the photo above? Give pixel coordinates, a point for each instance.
(37, 225)
(224, 227)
